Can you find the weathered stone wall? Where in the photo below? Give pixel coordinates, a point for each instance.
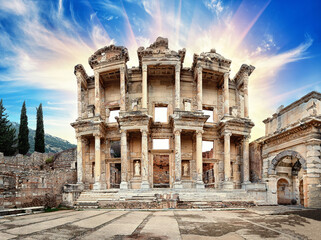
(35, 180)
(256, 162)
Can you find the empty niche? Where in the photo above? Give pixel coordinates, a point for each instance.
(115, 149)
(161, 144)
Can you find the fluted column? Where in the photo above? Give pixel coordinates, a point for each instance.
(246, 160)
(79, 160)
(144, 87)
(97, 94)
(144, 163)
(199, 160)
(178, 159)
(199, 89)
(227, 161)
(97, 184)
(246, 97)
(177, 85)
(123, 148)
(122, 89)
(226, 94)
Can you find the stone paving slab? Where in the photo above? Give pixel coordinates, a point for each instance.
(178, 224)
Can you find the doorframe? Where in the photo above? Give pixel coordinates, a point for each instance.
(168, 153)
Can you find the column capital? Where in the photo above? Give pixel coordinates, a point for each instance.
(177, 67)
(122, 131)
(199, 69)
(144, 67)
(227, 134)
(177, 131)
(246, 137)
(122, 69)
(226, 75)
(144, 131)
(97, 135)
(199, 132)
(84, 141)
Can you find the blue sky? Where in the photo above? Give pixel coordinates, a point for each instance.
(41, 41)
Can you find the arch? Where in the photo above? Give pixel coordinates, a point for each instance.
(283, 154)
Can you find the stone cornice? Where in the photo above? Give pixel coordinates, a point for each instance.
(80, 68)
(210, 58)
(108, 54)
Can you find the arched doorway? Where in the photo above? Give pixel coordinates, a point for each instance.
(284, 193)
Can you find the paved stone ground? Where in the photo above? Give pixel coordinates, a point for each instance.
(253, 223)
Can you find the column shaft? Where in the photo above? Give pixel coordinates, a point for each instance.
(122, 89)
(97, 94)
(246, 98)
(79, 98)
(178, 157)
(124, 169)
(199, 157)
(227, 157)
(199, 89)
(97, 162)
(79, 160)
(226, 94)
(246, 160)
(144, 87)
(144, 164)
(177, 86)
(216, 175)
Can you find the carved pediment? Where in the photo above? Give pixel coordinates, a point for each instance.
(108, 54)
(211, 58)
(160, 49)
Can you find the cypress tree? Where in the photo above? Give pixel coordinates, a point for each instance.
(7, 133)
(23, 137)
(40, 132)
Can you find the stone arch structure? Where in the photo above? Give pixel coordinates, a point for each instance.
(287, 153)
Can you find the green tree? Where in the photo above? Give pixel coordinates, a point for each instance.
(40, 132)
(8, 138)
(23, 137)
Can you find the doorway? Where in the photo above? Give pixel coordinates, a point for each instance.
(115, 175)
(284, 195)
(161, 171)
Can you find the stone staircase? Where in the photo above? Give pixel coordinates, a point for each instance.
(163, 198)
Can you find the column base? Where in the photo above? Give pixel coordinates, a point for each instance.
(245, 184)
(145, 185)
(80, 186)
(200, 185)
(123, 185)
(99, 186)
(178, 185)
(228, 185)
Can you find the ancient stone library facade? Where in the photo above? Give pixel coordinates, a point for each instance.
(164, 126)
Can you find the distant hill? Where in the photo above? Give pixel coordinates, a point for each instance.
(52, 144)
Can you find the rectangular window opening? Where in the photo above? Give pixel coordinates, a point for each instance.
(208, 149)
(161, 114)
(113, 114)
(210, 113)
(161, 144)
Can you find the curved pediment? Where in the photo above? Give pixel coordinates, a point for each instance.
(108, 54)
(158, 50)
(211, 58)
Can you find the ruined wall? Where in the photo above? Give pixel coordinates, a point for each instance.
(256, 162)
(35, 180)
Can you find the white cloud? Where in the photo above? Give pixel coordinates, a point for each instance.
(215, 6)
(17, 7)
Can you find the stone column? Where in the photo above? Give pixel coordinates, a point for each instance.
(79, 160)
(178, 159)
(227, 161)
(246, 160)
(79, 96)
(199, 159)
(246, 95)
(124, 169)
(144, 163)
(122, 89)
(226, 95)
(199, 89)
(144, 87)
(237, 174)
(97, 94)
(177, 86)
(97, 184)
(216, 176)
